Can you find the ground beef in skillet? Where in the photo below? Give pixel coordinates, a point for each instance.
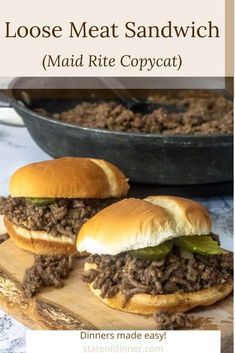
(202, 114)
(172, 321)
(46, 271)
(62, 217)
(174, 273)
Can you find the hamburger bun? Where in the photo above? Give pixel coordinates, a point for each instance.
(39, 242)
(69, 178)
(146, 304)
(133, 224)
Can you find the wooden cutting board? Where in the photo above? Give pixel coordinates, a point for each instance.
(74, 307)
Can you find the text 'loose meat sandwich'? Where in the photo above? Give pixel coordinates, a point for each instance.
(156, 254)
(50, 200)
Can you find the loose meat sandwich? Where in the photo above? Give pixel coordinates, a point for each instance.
(156, 254)
(50, 200)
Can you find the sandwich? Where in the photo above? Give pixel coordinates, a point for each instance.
(156, 254)
(50, 200)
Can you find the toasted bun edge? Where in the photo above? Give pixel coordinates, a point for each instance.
(39, 246)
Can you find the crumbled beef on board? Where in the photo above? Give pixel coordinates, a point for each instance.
(172, 321)
(3, 237)
(46, 271)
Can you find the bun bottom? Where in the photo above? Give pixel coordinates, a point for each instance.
(146, 304)
(37, 242)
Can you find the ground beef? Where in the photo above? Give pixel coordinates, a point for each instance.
(175, 273)
(3, 237)
(46, 271)
(172, 321)
(62, 217)
(203, 114)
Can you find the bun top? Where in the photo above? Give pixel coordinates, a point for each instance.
(134, 224)
(69, 178)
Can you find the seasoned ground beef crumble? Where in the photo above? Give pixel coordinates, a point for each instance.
(46, 271)
(209, 113)
(172, 321)
(3, 237)
(61, 217)
(172, 274)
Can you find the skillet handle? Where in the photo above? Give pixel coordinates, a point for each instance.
(9, 117)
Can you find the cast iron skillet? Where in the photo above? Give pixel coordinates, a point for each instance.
(144, 158)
